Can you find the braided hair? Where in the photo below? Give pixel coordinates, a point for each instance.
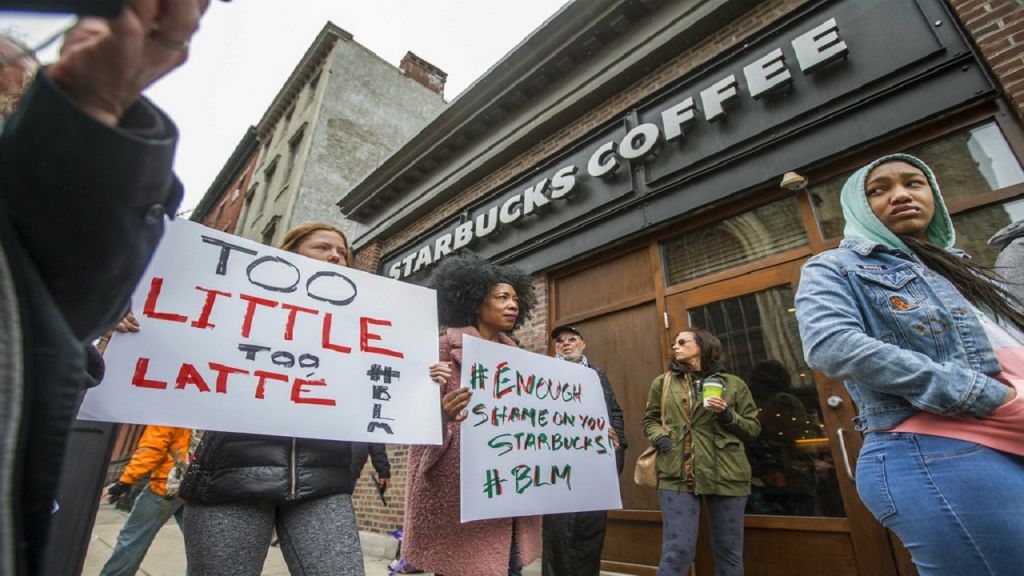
(980, 285)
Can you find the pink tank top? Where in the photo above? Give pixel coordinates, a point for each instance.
(1003, 429)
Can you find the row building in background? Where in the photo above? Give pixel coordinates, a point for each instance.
(342, 112)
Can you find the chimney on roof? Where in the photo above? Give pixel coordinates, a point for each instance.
(423, 72)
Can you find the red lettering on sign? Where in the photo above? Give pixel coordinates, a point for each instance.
(222, 375)
(188, 375)
(139, 378)
(149, 309)
(251, 309)
(299, 388)
(326, 339)
(292, 309)
(365, 336)
(263, 375)
(204, 316)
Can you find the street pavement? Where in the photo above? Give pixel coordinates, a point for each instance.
(166, 556)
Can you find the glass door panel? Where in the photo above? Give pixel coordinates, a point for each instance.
(793, 469)
(804, 461)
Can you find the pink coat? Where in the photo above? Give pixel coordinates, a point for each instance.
(434, 540)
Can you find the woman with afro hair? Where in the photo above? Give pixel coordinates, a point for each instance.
(487, 301)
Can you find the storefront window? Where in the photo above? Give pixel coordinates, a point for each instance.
(975, 227)
(793, 470)
(753, 235)
(966, 163)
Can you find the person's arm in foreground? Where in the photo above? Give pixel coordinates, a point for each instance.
(85, 162)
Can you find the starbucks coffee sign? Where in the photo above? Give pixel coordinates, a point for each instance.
(596, 167)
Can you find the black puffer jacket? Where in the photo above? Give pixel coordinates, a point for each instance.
(230, 466)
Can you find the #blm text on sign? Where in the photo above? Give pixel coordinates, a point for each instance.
(537, 437)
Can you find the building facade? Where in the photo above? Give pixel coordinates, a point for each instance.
(659, 165)
(221, 206)
(340, 113)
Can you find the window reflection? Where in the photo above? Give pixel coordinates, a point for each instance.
(995, 160)
(793, 470)
(750, 236)
(976, 227)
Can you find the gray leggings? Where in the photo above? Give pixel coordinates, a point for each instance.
(318, 536)
(680, 516)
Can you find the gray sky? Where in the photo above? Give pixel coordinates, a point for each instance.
(246, 49)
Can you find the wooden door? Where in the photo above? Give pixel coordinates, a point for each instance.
(614, 304)
(804, 516)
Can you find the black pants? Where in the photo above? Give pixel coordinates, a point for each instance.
(573, 542)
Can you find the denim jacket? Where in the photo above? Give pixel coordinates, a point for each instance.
(900, 336)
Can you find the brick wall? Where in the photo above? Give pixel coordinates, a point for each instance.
(225, 213)
(997, 27)
(765, 13)
(371, 514)
(368, 257)
(533, 334)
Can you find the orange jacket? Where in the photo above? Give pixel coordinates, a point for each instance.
(153, 456)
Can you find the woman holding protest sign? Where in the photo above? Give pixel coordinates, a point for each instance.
(478, 299)
(241, 487)
(698, 417)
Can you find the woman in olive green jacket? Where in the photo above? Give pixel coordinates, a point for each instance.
(699, 437)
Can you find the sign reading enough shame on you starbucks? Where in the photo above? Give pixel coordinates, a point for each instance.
(537, 437)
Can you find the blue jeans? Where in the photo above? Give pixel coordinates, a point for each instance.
(957, 506)
(149, 514)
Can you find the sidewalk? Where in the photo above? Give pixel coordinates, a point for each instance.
(166, 556)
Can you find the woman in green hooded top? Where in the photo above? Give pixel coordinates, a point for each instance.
(931, 349)
(698, 417)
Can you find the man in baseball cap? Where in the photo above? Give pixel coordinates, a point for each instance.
(573, 541)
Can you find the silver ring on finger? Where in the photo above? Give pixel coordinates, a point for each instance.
(167, 43)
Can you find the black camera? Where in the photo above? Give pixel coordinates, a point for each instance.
(105, 8)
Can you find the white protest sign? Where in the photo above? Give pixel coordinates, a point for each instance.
(537, 437)
(241, 337)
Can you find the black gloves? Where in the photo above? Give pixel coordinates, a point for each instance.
(116, 490)
(663, 444)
